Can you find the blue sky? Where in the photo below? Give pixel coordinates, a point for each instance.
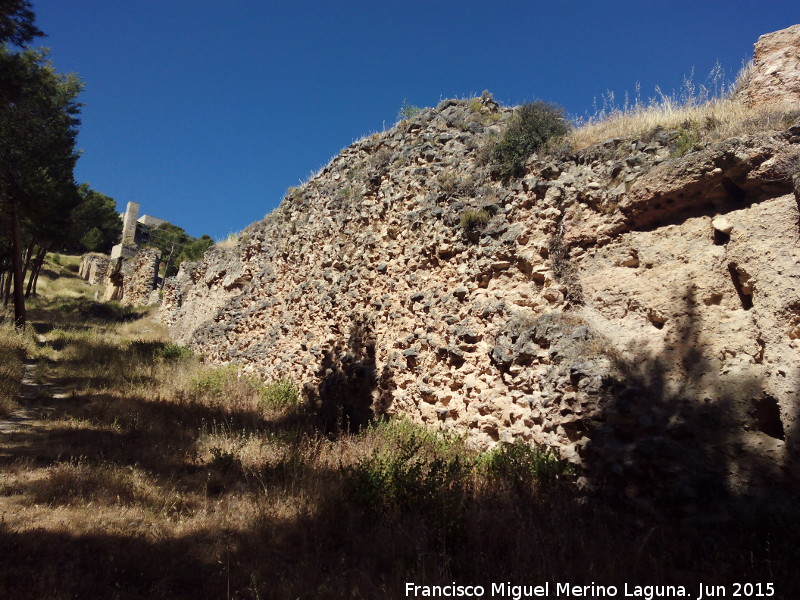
(205, 111)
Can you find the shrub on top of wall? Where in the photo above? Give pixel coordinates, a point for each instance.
(532, 126)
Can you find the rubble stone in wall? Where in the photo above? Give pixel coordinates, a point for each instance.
(132, 280)
(93, 267)
(775, 75)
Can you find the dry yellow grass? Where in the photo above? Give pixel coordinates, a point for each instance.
(714, 110)
(717, 119)
(14, 347)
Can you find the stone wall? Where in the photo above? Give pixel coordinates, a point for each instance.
(636, 309)
(775, 74)
(93, 267)
(133, 280)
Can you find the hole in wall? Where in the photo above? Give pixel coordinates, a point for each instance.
(714, 299)
(721, 238)
(767, 416)
(745, 299)
(734, 192)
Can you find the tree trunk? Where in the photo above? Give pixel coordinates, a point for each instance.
(5, 270)
(16, 261)
(28, 255)
(37, 266)
(7, 287)
(36, 280)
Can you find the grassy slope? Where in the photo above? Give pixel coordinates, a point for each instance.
(148, 474)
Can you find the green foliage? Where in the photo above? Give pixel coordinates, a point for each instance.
(194, 249)
(281, 393)
(92, 240)
(17, 23)
(226, 382)
(173, 240)
(176, 351)
(38, 130)
(96, 214)
(481, 113)
(531, 127)
(410, 474)
(407, 111)
(521, 464)
(214, 381)
(687, 140)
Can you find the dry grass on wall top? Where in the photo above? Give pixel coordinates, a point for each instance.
(713, 111)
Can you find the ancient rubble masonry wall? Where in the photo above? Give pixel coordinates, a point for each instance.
(93, 267)
(634, 309)
(133, 280)
(140, 277)
(775, 76)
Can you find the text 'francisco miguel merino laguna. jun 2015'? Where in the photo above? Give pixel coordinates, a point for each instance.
(568, 590)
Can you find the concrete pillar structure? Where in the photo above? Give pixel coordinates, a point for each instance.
(127, 246)
(129, 223)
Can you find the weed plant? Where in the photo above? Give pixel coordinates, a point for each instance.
(474, 220)
(280, 393)
(407, 111)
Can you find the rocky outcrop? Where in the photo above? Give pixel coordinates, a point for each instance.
(636, 309)
(775, 75)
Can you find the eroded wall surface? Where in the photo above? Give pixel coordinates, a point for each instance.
(636, 309)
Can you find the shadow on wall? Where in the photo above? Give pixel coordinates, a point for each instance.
(350, 393)
(673, 433)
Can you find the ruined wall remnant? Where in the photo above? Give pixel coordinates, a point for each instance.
(635, 309)
(93, 267)
(130, 274)
(775, 75)
(133, 280)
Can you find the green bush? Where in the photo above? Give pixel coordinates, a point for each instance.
(407, 111)
(521, 464)
(214, 381)
(687, 140)
(531, 127)
(410, 476)
(175, 351)
(282, 393)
